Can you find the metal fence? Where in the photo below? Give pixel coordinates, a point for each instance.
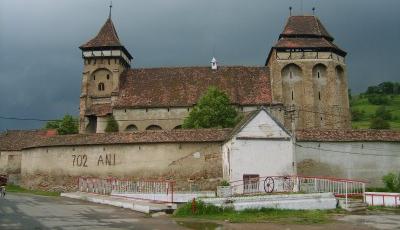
(285, 184)
(96, 185)
(156, 190)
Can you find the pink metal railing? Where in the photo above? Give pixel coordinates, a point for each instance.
(160, 190)
(284, 184)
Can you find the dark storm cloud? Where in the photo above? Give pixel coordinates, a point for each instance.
(40, 63)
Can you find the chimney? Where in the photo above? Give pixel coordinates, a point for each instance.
(214, 63)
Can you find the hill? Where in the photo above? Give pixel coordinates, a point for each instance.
(365, 105)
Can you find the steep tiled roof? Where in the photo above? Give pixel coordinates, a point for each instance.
(304, 43)
(305, 32)
(18, 139)
(156, 136)
(99, 109)
(107, 37)
(305, 26)
(347, 135)
(183, 86)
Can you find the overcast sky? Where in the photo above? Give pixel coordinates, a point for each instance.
(41, 65)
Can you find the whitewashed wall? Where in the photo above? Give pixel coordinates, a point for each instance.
(353, 160)
(261, 147)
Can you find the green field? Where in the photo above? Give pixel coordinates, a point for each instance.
(361, 103)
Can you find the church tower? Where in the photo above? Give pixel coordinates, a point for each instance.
(105, 58)
(308, 75)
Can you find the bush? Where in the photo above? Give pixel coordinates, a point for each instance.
(357, 115)
(112, 125)
(379, 123)
(381, 112)
(201, 209)
(378, 99)
(392, 182)
(224, 183)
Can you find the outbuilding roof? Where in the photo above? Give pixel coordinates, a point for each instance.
(183, 86)
(343, 135)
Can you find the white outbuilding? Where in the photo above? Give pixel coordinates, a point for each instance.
(259, 146)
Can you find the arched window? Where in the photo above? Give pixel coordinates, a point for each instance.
(131, 128)
(319, 71)
(153, 127)
(178, 127)
(292, 78)
(101, 86)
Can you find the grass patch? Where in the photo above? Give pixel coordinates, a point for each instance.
(18, 189)
(376, 189)
(211, 212)
(361, 103)
(385, 209)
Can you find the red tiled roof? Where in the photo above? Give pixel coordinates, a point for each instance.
(305, 26)
(347, 135)
(99, 109)
(16, 140)
(107, 37)
(156, 136)
(183, 86)
(304, 43)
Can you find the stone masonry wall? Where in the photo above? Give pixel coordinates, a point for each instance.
(319, 103)
(57, 168)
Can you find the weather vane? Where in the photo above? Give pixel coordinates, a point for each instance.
(290, 10)
(313, 10)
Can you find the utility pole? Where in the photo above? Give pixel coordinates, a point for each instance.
(291, 112)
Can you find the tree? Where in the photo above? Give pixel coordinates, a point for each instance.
(379, 123)
(68, 125)
(357, 115)
(386, 87)
(392, 182)
(213, 110)
(112, 125)
(381, 112)
(377, 99)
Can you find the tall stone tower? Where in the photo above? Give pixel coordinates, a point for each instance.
(105, 58)
(308, 74)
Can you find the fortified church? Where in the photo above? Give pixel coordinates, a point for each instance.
(303, 81)
(295, 110)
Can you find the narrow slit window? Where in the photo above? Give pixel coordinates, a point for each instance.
(318, 74)
(319, 95)
(108, 76)
(292, 95)
(101, 87)
(94, 77)
(291, 74)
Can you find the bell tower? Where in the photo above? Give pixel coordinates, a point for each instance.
(104, 58)
(308, 75)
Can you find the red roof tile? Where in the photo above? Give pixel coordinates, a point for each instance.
(156, 136)
(183, 86)
(347, 135)
(16, 140)
(305, 26)
(107, 37)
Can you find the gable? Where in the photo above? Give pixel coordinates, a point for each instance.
(262, 125)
